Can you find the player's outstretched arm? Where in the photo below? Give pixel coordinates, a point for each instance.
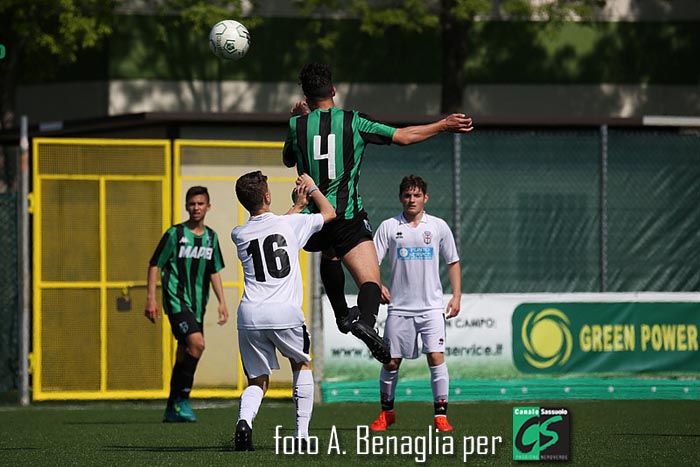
(454, 123)
(152, 310)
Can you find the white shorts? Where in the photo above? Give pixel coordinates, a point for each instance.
(257, 348)
(401, 333)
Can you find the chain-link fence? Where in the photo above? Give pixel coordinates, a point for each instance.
(9, 289)
(654, 219)
(560, 210)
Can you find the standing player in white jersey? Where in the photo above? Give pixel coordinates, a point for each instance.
(269, 314)
(414, 240)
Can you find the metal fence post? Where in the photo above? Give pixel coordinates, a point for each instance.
(457, 189)
(24, 264)
(317, 323)
(603, 208)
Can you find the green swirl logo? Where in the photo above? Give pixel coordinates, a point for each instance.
(547, 338)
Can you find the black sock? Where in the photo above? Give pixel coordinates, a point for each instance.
(368, 300)
(182, 378)
(175, 382)
(189, 366)
(333, 278)
(386, 403)
(440, 407)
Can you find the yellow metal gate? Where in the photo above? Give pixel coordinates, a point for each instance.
(99, 208)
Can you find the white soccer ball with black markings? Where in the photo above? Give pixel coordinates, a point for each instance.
(229, 40)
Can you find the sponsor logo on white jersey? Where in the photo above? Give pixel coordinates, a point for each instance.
(415, 253)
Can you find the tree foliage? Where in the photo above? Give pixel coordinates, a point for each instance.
(453, 19)
(41, 34)
(199, 16)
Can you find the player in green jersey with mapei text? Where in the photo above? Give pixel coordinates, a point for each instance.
(189, 258)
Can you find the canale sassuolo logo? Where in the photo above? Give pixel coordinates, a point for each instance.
(547, 338)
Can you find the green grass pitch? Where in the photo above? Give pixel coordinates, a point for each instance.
(618, 433)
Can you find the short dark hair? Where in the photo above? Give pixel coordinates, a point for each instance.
(251, 189)
(316, 81)
(413, 181)
(196, 190)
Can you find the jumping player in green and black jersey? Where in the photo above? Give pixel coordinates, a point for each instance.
(190, 259)
(328, 143)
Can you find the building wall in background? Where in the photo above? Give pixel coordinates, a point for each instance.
(587, 69)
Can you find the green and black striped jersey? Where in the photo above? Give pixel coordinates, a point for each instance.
(329, 146)
(187, 262)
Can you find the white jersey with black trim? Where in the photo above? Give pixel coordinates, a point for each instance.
(268, 246)
(414, 259)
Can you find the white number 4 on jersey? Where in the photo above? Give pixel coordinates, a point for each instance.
(330, 155)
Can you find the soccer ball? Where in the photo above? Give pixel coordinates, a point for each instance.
(229, 39)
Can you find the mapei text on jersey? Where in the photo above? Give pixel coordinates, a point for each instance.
(190, 251)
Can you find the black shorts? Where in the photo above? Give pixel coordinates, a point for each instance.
(341, 234)
(183, 324)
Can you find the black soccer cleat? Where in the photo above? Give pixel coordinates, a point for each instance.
(345, 324)
(374, 343)
(243, 439)
(306, 446)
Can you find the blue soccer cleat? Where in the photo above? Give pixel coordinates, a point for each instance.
(179, 411)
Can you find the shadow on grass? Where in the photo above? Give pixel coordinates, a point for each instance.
(164, 449)
(392, 431)
(125, 422)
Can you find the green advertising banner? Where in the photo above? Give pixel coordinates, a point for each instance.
(606, 337)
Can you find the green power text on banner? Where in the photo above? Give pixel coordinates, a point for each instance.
(606, 337)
